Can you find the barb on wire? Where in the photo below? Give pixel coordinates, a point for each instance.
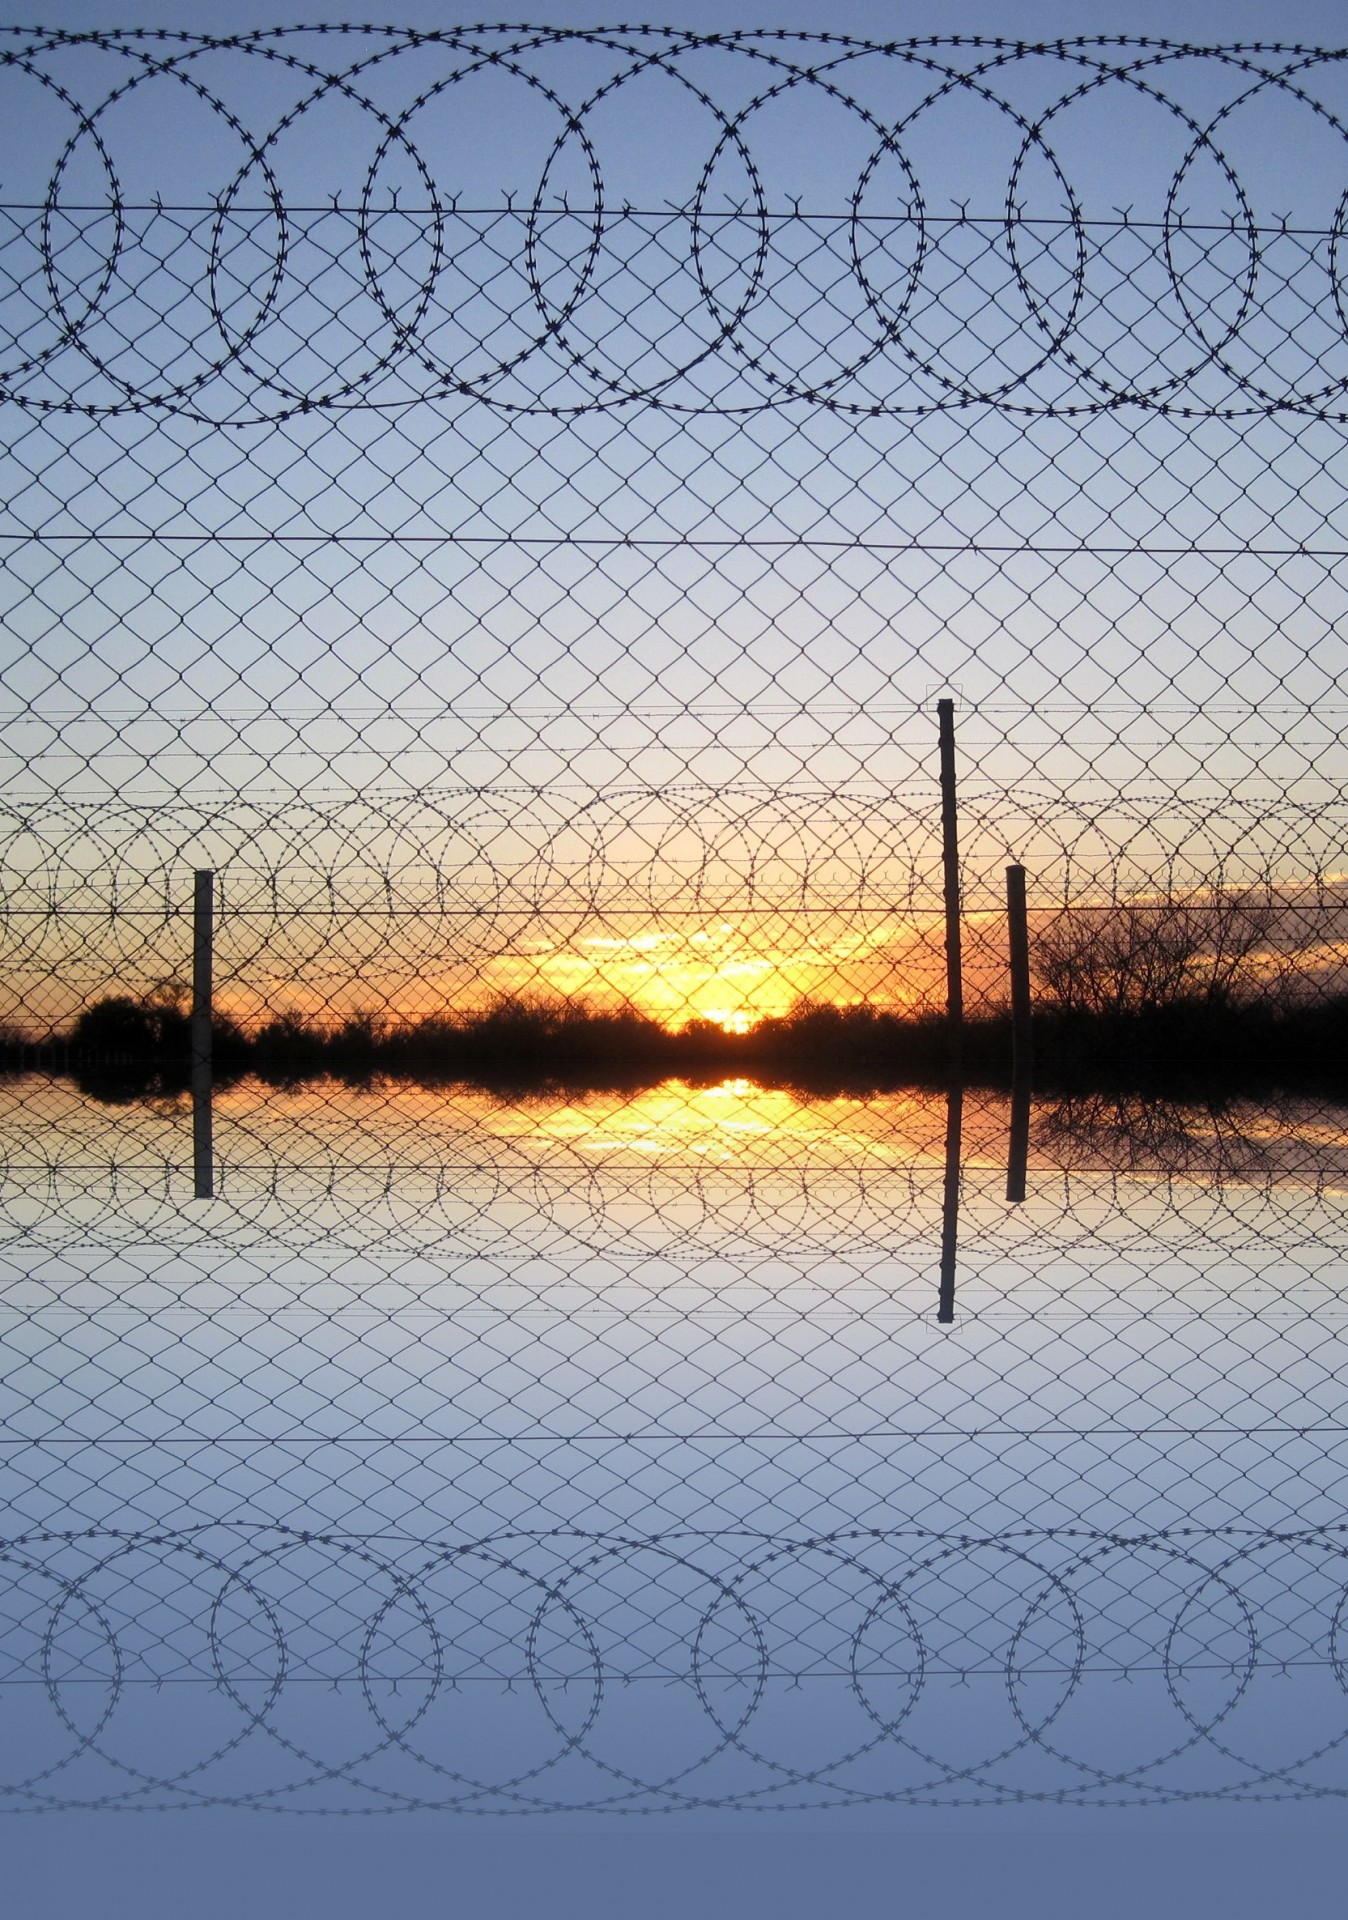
(548, 578)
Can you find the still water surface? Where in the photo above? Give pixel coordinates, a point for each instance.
(607, 1452)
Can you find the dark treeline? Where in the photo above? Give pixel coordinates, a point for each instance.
(125, 1048)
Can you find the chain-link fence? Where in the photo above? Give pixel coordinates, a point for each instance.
(547, 578)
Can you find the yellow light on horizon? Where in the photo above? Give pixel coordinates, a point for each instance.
(733, 975)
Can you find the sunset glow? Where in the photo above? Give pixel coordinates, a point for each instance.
(726, 972)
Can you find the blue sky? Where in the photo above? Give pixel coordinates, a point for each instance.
(146, 1869)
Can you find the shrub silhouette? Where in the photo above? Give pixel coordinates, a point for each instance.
(1145, 957)
(1144, 994)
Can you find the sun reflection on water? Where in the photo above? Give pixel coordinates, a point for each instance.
(390, 1127)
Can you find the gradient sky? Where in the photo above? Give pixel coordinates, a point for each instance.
(60, 1870)
(474, 666)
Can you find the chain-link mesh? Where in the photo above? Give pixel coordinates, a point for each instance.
(597, 551)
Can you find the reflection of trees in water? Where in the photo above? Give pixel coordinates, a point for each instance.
(677, 1170)
(1137, 1133)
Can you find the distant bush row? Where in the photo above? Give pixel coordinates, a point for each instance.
(128, 1046)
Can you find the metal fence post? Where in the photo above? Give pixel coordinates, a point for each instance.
(203, 940)
(950, 864)
(1018, 941)
(950, 1200)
